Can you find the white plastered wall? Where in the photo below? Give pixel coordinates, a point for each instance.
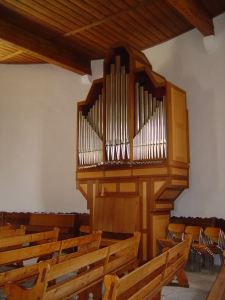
(37, 138)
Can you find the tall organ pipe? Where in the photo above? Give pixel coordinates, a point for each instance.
(150, 126)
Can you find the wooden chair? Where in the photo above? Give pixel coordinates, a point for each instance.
(175, 235)
(213, 244)
(195, 257)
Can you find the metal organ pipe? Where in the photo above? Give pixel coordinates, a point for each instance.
(149, 141)
(150, 126)
(90, 144)
(117, 105)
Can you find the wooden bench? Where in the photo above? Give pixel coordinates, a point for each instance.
(12, 232)
(17, 242)
(43, 222)
(217, 291)
(147, 281)
(5, 227)
(84, 245)
(118, 257)
(16, 219)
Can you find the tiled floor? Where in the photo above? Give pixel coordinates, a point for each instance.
(199, 286)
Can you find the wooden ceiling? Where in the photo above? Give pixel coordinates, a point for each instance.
(71, 33)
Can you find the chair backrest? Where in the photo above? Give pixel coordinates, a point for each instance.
(196, 232)
(176, 231)
(212, 234)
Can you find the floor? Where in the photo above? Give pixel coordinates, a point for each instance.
(199, 286)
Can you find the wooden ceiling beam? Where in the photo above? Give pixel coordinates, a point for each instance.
(193, 12)
(43, 49)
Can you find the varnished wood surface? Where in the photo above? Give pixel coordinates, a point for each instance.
(72, 33)
(218, 289)
(84, 245)
(109, 259)
(147, 281)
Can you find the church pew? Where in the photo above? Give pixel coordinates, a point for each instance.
(12, 232)
(47, 221)
(147, 281)
(53, 251)
(115, 258)
(5, 227)
(17, 242)
(218, 288)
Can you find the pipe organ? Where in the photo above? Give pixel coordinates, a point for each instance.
(133, 149)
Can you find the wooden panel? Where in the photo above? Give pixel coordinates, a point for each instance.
(144, 207)
(179, 125)
(180, 182)
(128, 187)
(116, 173)
(165, 206)
(115, 214)
(109, 187)
(170, 194)
(159, 231)
(176, 171)
(83, 187)
(83, 175)
(152, 171)
(158, 185)
(144, 247)
(57, 220)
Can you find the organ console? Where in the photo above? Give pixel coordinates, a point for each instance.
(133, 148)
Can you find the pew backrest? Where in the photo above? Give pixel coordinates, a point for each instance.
(53, 250)
(43, 222)
(148, 280)
(12, 232)
(5, 227)
(96, 264)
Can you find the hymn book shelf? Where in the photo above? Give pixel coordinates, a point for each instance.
(133, 149)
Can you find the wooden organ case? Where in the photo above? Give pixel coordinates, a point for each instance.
(132, 149)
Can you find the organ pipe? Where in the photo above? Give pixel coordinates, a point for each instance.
(150, 126)
(149, 140)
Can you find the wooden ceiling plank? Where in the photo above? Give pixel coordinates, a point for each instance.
(148, 12)
(16, 16)
(97, 9)
(110, 38)
(37, 11)
(175, 17)
(44, 49)
(146, 35)
(213, 8)
(98, 35)
(164, 19)
(113, 16)
(124, 35)
(95, 39)
(66, 17)
(146, 22)
(79, 15)
(195, 14)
